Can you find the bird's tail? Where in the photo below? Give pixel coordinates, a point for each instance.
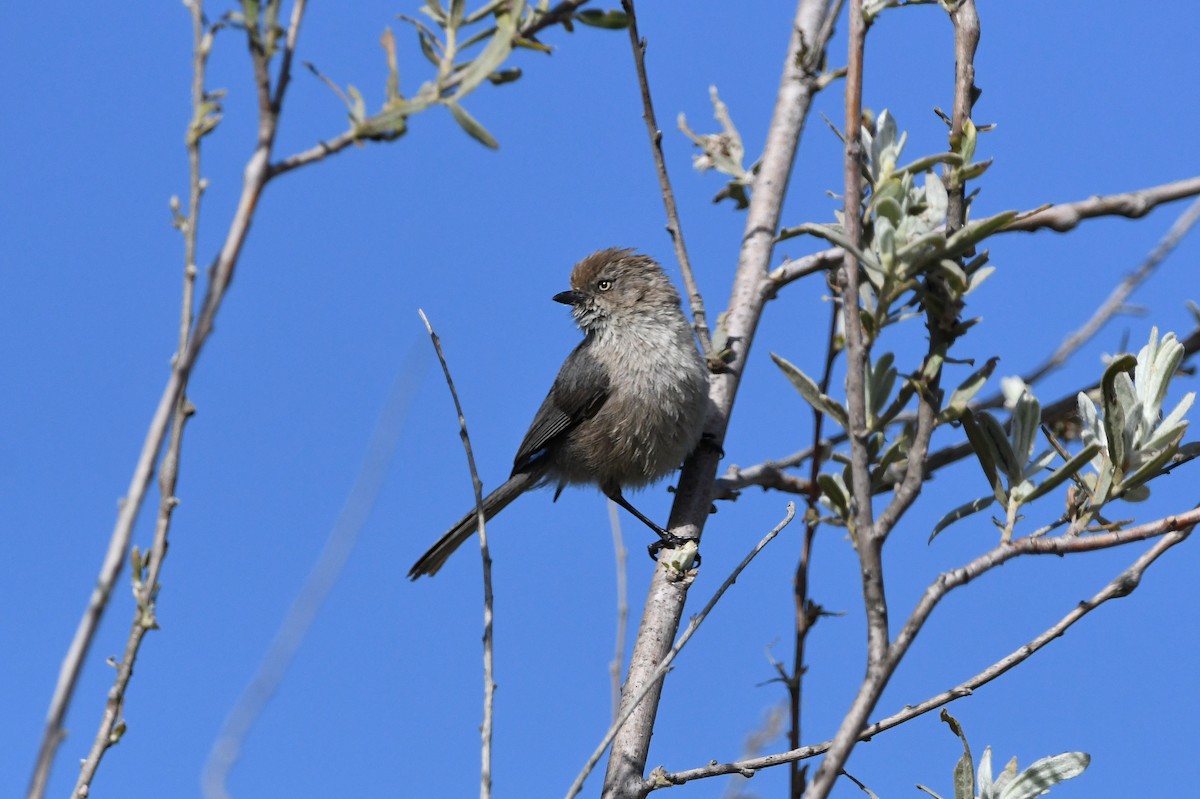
(493, 503)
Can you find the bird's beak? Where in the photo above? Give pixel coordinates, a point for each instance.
(571, 297)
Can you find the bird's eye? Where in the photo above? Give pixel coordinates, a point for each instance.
(604, 285)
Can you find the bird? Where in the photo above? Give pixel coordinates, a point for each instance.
(627, 406)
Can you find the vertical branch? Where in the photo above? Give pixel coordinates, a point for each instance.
(621, 557)
(868, 544)
(700, 321)
(752, 285)
(489, 682)
(660, 669)
(883, 658)
(805, 610)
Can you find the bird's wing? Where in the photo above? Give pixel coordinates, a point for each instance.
(579, 391)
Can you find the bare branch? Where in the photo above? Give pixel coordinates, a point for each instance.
(868, 545)
(148, 568)
(621, 558)
(700, 321)
(693, 499)
(220, 274)
(1173, 529)
(795, 268)
(665, 664)
(804, 610)
(489, 682)
(1134, 204)
(1116, 300)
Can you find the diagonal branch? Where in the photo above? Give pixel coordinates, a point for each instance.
(665, 665)
(220, 274)
(1173, 530)
(1116, 300)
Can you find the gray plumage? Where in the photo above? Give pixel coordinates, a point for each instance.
(628, 404)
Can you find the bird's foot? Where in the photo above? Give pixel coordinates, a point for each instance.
(670, 541)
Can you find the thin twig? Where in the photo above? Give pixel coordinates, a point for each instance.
(1134, 204)
(699, 320)
(1116, 299)
(561, 13)
(1173, 529)
(668, 589)
(1059, 218)
(227, 747)
(621, 558)
(868, 544)
(882, 656)
(804, 609)
(146, 585)
(665, 664)
(255, 177)
(489, 682)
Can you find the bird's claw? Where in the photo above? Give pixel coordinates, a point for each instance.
(670, 541)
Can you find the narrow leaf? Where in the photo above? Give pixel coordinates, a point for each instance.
(1001, 449)
(966, 392)
(609, 20)
(1045, 773)
(471, 126)
(1065, 471)
(811, 393)
(961, 512)
(1114, 411)
(983, 452)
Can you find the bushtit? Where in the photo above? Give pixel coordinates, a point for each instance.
(627, 406)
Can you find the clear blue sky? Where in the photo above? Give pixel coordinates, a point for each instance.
(385, 696)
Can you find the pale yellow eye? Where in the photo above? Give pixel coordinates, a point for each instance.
(604, 285)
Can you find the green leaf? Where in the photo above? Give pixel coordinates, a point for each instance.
(983, 452)
(609, 20)
(1001, 449)
(833, 492)
(493, 55)
(1114, 410)
(976, 232)
(1150, 468)
(502, 76)
(471, 126)
(811, 393)
(1063, 472)
(963, 395)
(961, 512)
(1045, 773)
(881, 379)
(1026, 417)
(964, 770)
(983, 775)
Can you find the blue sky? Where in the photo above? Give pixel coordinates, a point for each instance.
(1089, 98)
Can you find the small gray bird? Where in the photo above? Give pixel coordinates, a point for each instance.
(627, 406)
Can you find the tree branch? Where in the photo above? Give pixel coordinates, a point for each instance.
(1116, 300)
(1173, 529)
(663, 666)
(220, 274)
(693, 499)
(700, 321)
(489, 682)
